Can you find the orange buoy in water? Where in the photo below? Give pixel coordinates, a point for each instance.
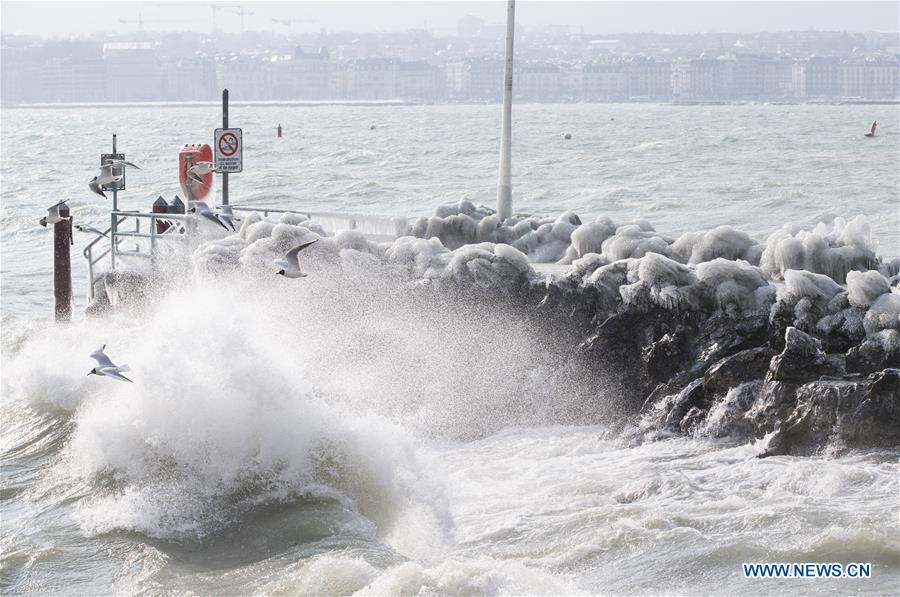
(279, 131)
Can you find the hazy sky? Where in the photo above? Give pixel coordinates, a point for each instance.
(81, 18)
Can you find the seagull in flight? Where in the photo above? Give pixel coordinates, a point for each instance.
(90, 230)
(226, 215)
(107, 368)
(290, 265)
(203, 210)
(122, 164)
(199, 169)
(108, 175)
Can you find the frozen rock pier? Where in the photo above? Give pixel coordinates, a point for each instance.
(795, 339)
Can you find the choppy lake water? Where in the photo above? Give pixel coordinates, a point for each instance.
(317, 439)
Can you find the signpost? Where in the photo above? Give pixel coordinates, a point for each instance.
(115, 187)
(229, 149)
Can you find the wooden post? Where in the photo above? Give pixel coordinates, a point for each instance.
(62, 265)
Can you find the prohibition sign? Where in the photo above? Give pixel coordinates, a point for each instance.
(228, 144)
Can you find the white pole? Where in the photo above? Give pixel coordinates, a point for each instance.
(504, 181)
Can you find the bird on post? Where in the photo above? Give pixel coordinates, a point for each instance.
(55, 213)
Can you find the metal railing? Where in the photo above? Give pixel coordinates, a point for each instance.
(380, 228)
(117, 237)
(374, 227)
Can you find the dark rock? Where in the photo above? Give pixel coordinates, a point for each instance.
(616, 346)
(842, 329)
(776, 401)
(736, 369)
(876, 353)
(856, 414)
(876, 421)
(668, 355)
(728, 417)
(572, 218)
(835, 366)
(693, 396)
(801, 360)
(720, 336)
(692, 420)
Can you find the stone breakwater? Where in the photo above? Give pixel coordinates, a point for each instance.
(712, 334)
(809, 382)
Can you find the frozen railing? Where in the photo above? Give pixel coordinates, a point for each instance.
(377, 228)
(160, 227)
(147, 230)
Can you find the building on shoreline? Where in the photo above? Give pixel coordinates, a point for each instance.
(554, 65)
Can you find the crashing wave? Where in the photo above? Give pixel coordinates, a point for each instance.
(672, 318)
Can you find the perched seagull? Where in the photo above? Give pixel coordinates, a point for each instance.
(89, 230)
(107, 367)
(226, 215)
(290, 265)
(199, 169)
(202, 209)
(53, 216)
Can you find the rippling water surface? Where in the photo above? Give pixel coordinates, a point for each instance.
(340, 436)
(680, 167)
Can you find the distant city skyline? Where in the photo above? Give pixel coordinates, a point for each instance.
(80, 19)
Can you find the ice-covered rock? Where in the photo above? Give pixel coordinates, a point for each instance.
(734, 286)
(722, 242)
(884, 314)
(633, 241)
(549, 242)
(845, 247)
(484, 264)
(865, 287)
(589, 238)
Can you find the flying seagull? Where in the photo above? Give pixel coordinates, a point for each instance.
(290, 265)
(121, 164)
(94, 186)
(202, 210)
(107, 367)
(89, 230)
(227, 216)
(199, 169)
(108, 175)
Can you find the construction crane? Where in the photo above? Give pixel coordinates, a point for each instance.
(237, 8)
(289, 23)
(141, 20)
